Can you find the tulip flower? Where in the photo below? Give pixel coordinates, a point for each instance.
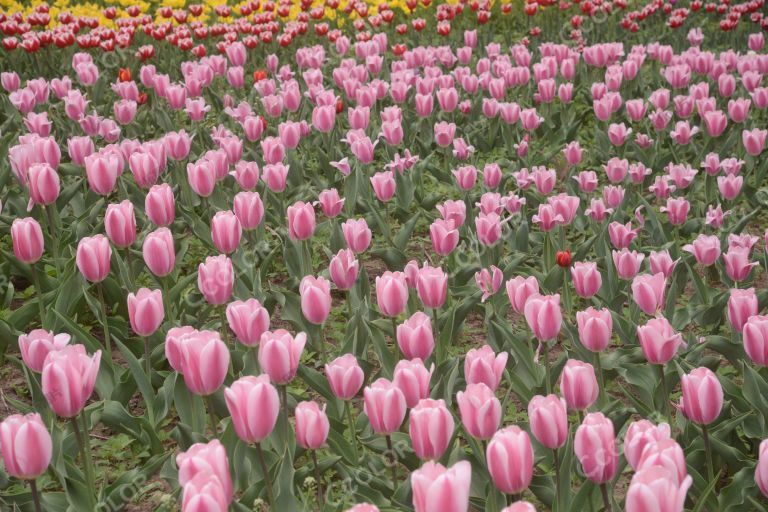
(436, 487)
(430, 428)
(26, 448)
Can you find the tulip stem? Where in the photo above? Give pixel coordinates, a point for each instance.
(395, 347)
(318, 480)
(547, 384)
(284, 399)
(440, 346)
(225, 335)
(392, 457)
(35, 495)
(167, 299)
(39, 289)
(128, 264)
(107, 337)
(601, 378)
(85, 449)
(147, 359)
(352, 431)
(265, 474)
(52, 226)
(212, 415)
(557, 477)
(606, 497)
(708, 453)
(665, 393)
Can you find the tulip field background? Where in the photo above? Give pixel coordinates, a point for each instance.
(355, 255)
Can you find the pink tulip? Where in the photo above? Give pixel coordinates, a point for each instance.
(519, 290)
(215, 279)
(36, 346)
(430, 428)
(658, 340)
(27, 239)
(627, 263)
(444, 236)
(488, 228)
(315, 298)
(120, 224)
(69, 376)
(548, 418)
(145, 311)
(226, 232)
(383, 184)
(510, 460)
(648, 292)
(491, 175)
(159, 253)
(641, 434)
(345, 376)
(432, 286)
(489, 281)
(79, 148)
(453, 211)
(344, 269)
(159, 205)
(330, 202)
(357, 234)
(761, 477)
(102, 170)
(415, 337)
(706, 249)
(312, 425)
(93, 258)
(207, 460)
(385, 406)
(742, 304)
(519, 506)
(586, 278)
(26, 446)
(483, 365)
(391, 293)
(203, 360)
(755, 336)
(412, 378)
(661, 262)
(249, 209)
(480, 410)
(301, 221)
(621, 235)
(436, 487)
(666, 453)
(737, 264)
(444, 133)
(544, 317)
(595, 328)
(754, 141)
(202, 177)
(654, 488)
(43, 183)
(702, 398)
(547, 218)
(248, 320)
(572, 153)
(595, 447)
(363, 507)
(280, 354)
(578, 385)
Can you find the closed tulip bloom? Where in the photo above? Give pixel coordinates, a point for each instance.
(544, 317)
(595, 328)
(548, 418)
(312, 425)
(586, 278)
(677, 209)
(363, 507)
(69, 376)
(102, 170)
(26, 446)
(215, 279)
(385, 406)
(742, 304)
(666, 453)
(455, 211)
(344, 269)
(226, 231)
(661, 262)
(430, 427)
(627, 262)
(480, 410)
(444, 236)
(412, 377)
(578, 385)
(391, 293)
(204, 493)
(440, 489)
(705, 248)
(648, 292)
(301, 221)
(159, 253)
(174, 339)
(737, 264)
(519, 290)
(246, 174)
(658, 340)
(144, 167)
(345, 377)
(249, 209)
(315, 298)
(120, 224)
(761, 470)
(248, 320)
(621, 235)
(93, 258)
(330, 202)
(595, 447)
(519, 506)
(206, 459)
(36, 346)
(201, 176)
(654, 488)
(204, 361)
(43, 183)
(483, 365)
(510, 460)
(641, 434)
(754, 141)
(159, 205)
(27, 238)
(383, 184)
(357, 234)
(145, 311)
(755, 336)
(702, 398)
(280, 354)
(432, 286)
(415, 337)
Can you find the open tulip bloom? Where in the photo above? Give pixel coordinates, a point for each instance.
(429, 256)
